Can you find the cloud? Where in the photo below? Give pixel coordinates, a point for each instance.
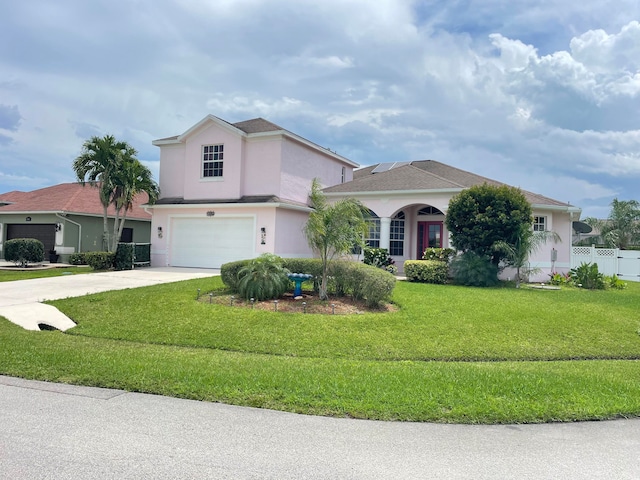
(9, 117)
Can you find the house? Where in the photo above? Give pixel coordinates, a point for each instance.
(409, 201)
(66, 218)
(234, 191)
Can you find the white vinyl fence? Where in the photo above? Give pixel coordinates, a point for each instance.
(611, 261)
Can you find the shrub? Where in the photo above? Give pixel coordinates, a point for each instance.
(78, 258)
(124, 257)
(23, 251)
(440, 254)
(428, 271)
(311, 266)
(588, 276)
(379, 257)
(612, 281)
(100, 260)
(560, 278)
(374, 286)
(229, 273)
(263, 278)
(474, 270)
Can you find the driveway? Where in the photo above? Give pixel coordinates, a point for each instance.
(20, 300)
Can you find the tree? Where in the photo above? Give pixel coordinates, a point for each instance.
(483, 215)
(110, 166)
(622, 228)
(526, 243)
(132, 179)
(333, 229)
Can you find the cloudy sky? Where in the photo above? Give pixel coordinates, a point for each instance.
(544, 95)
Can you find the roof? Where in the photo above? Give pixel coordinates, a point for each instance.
(243, 200)
(68, 198)
(254, 127)
(422, 176)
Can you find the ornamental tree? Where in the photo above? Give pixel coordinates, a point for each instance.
(483, 215)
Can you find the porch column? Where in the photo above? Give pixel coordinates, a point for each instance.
(385, 232)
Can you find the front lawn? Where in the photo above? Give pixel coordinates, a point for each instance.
(449, 354)
(11, 274)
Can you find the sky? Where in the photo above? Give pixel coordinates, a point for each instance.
(543, 95)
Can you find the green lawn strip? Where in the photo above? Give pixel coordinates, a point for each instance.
(460, 392)
(13, 275)
(434, 322)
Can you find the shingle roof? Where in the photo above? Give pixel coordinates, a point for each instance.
(423, 175)
(66, 197)
(257, 125)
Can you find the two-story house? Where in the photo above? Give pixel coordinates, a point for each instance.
(234, 191)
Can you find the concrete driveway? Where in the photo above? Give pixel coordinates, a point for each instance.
(20, 300)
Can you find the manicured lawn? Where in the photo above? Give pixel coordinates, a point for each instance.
(449, 354)
(12, 275)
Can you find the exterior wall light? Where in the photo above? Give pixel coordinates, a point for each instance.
(263, 235)
(159, 232)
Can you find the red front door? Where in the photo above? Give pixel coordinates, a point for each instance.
(429, 235)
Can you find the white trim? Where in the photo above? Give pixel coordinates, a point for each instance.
(394, 193)
(64, 212)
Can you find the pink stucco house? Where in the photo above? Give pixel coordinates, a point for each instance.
(234, 191)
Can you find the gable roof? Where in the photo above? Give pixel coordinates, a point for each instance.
(422, 176)
(67, 198)
(255, 127)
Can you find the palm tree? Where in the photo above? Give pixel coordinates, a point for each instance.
(132, 179)
(98, 165)
(333, 229)
(527, 242)
(622, 228)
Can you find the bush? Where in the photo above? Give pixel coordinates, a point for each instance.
(560, 279)
(588, 276)
(379, 257)
(124, 257)
(373, 285)
(100, 260)
(23, 251)
(612, 281)
(439, 254)
(474, 270)
(311, 266)
(428, 271)
(229, 273)
(263, 278)
(78, 258)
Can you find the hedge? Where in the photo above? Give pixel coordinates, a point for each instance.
(124, 256)
(23, 251)
(79, 258)
(100, 260)
(428, 271)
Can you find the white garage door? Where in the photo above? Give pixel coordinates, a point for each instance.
(210, 242)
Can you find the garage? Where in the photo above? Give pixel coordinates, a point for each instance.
(45, 232)
(211, 242)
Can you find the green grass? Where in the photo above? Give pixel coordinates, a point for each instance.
(12, 275)
(449, 354)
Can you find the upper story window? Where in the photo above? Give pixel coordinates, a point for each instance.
(212, 160)
(539, 224)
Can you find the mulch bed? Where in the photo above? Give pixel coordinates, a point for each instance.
(288, 304)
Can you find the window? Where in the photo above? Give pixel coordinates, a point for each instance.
(212, 159)
(373, 238)
(396, 238)
(539, 224)
(344, 174)
(430, 211)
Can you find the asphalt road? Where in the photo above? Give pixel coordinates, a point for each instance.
(53, 431)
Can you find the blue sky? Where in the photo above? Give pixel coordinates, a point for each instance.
(544, 95)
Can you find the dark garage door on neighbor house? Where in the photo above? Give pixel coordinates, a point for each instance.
(45, 232)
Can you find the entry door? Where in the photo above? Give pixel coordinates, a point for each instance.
(429, 235)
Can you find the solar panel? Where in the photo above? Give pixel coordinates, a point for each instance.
(384, 167)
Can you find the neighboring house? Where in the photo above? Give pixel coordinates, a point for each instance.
(66, 218)
(234, 191)
(409, 201)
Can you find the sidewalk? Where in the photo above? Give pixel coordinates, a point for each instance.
(20, 301)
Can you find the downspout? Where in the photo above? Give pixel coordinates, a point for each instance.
(75, 223)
